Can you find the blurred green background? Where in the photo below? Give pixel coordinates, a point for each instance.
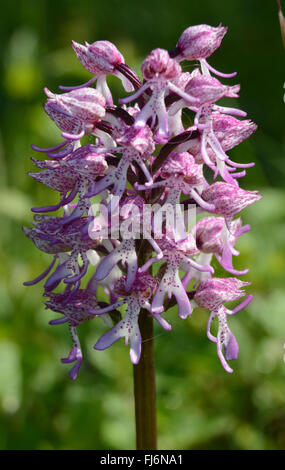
(199, 405)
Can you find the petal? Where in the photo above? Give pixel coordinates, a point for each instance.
(60, 273)
(157, 303)
(108, 339)
(135, 346)
(231, 348)
(107, 264)
(222, 359)
(132, 269)
(184, 306)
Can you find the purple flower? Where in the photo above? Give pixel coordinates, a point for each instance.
(214, 237)
(229, 131)
(137, 146)
(180, 173)
(229, 199)
(138, 189)
(159, 71)
(51, 236)
(199, 42)
(177, 256)
(208, 89)
(225, 338)
(74, 312)
(214, 292)
(128, 327)
(77, 111)
(101, 58)
(71, 173)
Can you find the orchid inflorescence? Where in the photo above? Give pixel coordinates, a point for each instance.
(142, 153)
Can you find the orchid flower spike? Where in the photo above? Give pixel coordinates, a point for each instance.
(124, 220)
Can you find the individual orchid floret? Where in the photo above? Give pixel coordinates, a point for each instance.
(229, 199)
(229, 131)
(128, 327)
(77, 111)
(208, 89)
(50, 236)
(74, 312)
(214, 237)
(225, 338)
(159, 72)
(180, 173)
(231, 232)
(136, 145)
(72, 173)
(125, 251)
(102, 58)
(177, 256)
(214, 292)
(198, 43)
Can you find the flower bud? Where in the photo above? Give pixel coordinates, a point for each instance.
(208, 232)
(140, 139)
(231, 131)
(229, 199)
(158, 63)
(99, 58)
(76, 311)
(76, 109)
(215, 291)
(199, 42)
(182, 164)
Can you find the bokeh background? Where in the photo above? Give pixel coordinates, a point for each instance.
(199, 405)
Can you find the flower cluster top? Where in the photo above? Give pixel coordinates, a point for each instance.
(141, 164)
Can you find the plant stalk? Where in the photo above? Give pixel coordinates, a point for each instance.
(144, 388)
(144, 376)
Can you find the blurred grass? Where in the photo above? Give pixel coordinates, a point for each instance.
(199, 405)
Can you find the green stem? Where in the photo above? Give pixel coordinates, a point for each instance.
(144, 388)
(144, 376)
